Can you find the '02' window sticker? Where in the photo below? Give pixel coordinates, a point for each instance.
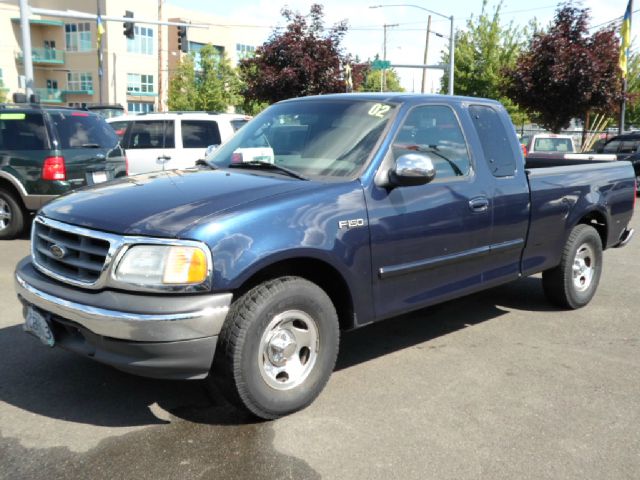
(379, 110)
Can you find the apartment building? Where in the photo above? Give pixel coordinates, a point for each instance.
(135, 72)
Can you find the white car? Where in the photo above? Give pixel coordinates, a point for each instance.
(173, 140)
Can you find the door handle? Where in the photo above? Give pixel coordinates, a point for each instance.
(164, 158)
(479, 204)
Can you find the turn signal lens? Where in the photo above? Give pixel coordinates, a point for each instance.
(185, 265)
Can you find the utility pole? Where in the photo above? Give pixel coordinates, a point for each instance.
(100, 55)
(451, 57)
(426, 50)
(26, 47)
(384, 55)
(160, 63)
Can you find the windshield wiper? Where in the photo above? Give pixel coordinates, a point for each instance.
(90, 145)
(436, 151)
(203, 163)
(268, 166)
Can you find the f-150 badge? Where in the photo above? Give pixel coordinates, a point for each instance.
(354, 223)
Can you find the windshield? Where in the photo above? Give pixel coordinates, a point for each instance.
(330, 139)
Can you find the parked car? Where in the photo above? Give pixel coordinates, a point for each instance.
(550, 143)
(323, 213)
(106, 110)
(45, 152)
(167, 141)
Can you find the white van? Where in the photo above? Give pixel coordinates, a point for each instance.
(173, 140)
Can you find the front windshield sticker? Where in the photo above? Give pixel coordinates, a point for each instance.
(12, 116)
(379, 110)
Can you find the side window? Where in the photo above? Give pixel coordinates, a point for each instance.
(612, 146)
(120, 128)
(434, 129)
(629, 146)
(495, 140)
(151, 134)
(200, 134)
(23, 131)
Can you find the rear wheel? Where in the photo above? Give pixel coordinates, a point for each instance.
(574, 282)
(277, 348)
(11, 215)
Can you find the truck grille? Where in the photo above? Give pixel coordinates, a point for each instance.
(76, 257)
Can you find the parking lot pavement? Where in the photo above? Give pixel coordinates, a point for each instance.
(498, 385)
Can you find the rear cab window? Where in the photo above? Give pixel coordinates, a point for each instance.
(434, 130)
(23, 131)
(200, 133)
(553, 145)
(496, 142)
(82, 130)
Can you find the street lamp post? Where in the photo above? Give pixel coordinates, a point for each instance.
(451, 35)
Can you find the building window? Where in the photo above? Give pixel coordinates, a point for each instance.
(78, 37)
(139, 107)
(244, 51)
(142, 42)
(79, 82)
(195, 48)
(139, 84)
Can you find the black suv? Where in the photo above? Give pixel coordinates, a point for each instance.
(45, 152)
(626, 147)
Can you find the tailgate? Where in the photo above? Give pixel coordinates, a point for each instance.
(89, 146)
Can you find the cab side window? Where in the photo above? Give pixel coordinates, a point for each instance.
(498, 150)
(434, 130)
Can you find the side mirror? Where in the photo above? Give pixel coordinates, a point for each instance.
(412, 169)
(210, 149)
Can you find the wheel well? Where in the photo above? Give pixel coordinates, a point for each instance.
(9, 187)
(316, 271)
(598, 221)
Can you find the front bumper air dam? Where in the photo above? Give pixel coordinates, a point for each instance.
(161, 336)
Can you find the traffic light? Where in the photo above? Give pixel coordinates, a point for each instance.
(183, 43)
(128, 26)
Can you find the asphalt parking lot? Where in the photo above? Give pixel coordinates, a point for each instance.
(498, 385)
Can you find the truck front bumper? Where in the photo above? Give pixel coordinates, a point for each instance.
(162, 336)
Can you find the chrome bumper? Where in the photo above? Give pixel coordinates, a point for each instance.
(157, 327)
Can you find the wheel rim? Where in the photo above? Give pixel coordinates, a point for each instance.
(5, 214)
(584, 264)
(288, 349)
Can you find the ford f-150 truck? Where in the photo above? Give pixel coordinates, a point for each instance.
(322, 214)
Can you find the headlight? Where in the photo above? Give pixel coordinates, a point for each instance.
(157, 265)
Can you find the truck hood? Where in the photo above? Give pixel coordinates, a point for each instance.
(164, 203)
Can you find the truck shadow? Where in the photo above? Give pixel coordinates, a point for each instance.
(62, 385)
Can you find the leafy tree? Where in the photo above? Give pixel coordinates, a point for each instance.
(182, 87)
(374, 77)
(214, 86)
(632, 114)
(303, 60)
(217, 83)
(482, 51)
(565, 73)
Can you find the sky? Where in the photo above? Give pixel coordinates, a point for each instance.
(406, 41)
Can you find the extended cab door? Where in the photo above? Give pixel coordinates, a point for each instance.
(430, 242)
(149, 144)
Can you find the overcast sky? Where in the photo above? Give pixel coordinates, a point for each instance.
(405, 42)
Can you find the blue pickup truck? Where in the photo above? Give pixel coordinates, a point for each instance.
(322, 214)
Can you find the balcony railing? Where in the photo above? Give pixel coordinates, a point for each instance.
(49, 95)
(45, 55)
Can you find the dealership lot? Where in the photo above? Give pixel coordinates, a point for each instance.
(498, 385)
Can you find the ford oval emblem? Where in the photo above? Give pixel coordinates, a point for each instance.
(57, 251)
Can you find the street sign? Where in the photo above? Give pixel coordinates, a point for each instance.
(380, 64)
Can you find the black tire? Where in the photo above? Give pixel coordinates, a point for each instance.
(257, 336)
(571, 289)
(11, 215)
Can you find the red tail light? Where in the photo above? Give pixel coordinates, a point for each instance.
(54, 169)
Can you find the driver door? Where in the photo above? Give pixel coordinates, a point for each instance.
(429, 242)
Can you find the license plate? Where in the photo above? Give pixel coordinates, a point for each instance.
(36, 324)
(99, 177)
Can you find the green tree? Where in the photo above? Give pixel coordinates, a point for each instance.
(213, 86)
(217, 83)
(482, 52)
(182, 87)
(373, 78)
(632, 114)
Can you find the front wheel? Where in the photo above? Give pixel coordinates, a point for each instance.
(277, 348)
(574, 282)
